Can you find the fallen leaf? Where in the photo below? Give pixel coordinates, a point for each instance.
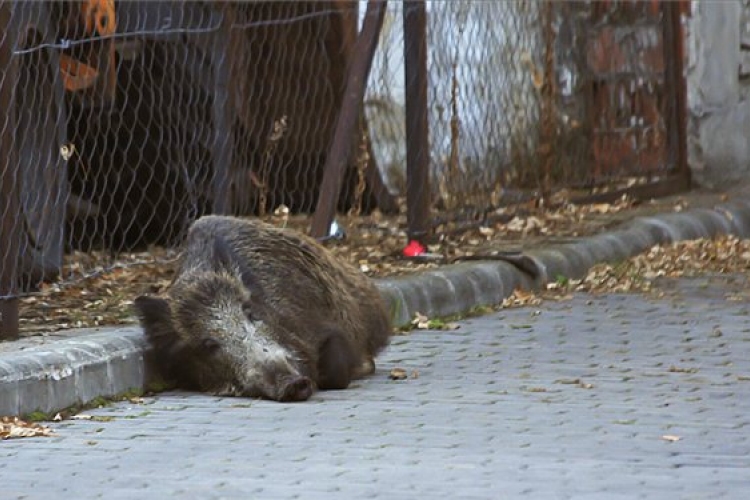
(521, 297)
(570, 381)
(677, 369)
(14, 427)
(397, 374)
(625, 422)
(421, 321)
(671, 438)
(100, 285)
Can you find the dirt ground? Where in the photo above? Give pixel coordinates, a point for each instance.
(374, 243)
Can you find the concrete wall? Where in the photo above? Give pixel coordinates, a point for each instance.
(718, 86)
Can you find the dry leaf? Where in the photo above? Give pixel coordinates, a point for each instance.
(374, 245)
(14, 427)
(677, 369)
(568, 381)
(521, 298)
(421, 321)
(81, 416)
(671, 438)
(397, 374)
(601, 208)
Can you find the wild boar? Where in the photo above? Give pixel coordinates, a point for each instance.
(259, 311)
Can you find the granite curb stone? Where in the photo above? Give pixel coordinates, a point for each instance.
(62, 373)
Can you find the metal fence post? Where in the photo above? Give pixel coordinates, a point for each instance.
(9, 179)
(417, 139)
(223, 112)
(674, 67)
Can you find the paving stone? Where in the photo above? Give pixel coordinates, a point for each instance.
(498, 411)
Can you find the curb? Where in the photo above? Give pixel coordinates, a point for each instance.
(110, 361)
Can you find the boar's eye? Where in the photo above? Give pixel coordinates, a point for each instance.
(210, 344)
(247, 309)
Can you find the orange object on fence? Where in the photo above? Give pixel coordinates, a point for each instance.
(76, 74)
(82, 71)
(98, 17)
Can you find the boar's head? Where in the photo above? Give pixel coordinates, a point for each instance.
(210, 334)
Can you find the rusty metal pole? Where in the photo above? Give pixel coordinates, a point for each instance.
(223, 111)
(346, 125)
(9, 179)
(417, 138)
(674, 67)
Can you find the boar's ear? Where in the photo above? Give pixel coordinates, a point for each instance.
(251, 282)
(152, 311)
(172, 354)
(223, 254)
(156, 319)
(227, 259)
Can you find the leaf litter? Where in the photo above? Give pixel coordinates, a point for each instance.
(374, 243)
(14, 428)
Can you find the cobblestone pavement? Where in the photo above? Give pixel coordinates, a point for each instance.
(584, 398)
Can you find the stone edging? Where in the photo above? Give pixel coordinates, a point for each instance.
(111, 361)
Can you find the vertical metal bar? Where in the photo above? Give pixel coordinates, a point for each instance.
(59, 188)
(676, 86)
(223, 113)
(9, 201)
(548, 108)
(346, 125)
(417, 138)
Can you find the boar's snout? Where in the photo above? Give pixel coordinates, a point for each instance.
(298, 388)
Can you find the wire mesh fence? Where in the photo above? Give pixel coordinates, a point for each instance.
(482, 104)
(528, 99)
(125, 121)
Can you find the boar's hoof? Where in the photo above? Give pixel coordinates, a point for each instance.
(297, 389)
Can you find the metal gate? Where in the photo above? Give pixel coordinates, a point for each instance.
(627, 59)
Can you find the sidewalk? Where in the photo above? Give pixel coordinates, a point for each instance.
(599, 397)
(39, 374)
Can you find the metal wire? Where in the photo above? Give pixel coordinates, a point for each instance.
(131, 119)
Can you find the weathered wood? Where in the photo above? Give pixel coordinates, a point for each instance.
(351, 106)
(376, 193)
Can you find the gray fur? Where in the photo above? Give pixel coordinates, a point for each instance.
(259, 311)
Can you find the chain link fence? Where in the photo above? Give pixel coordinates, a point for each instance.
(533, 100)
(124, 121)
(483, 100)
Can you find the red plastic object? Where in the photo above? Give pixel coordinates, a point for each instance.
(413, 249)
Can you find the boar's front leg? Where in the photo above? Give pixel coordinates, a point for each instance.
(336, 361)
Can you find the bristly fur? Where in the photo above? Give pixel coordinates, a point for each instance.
(327, 318)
